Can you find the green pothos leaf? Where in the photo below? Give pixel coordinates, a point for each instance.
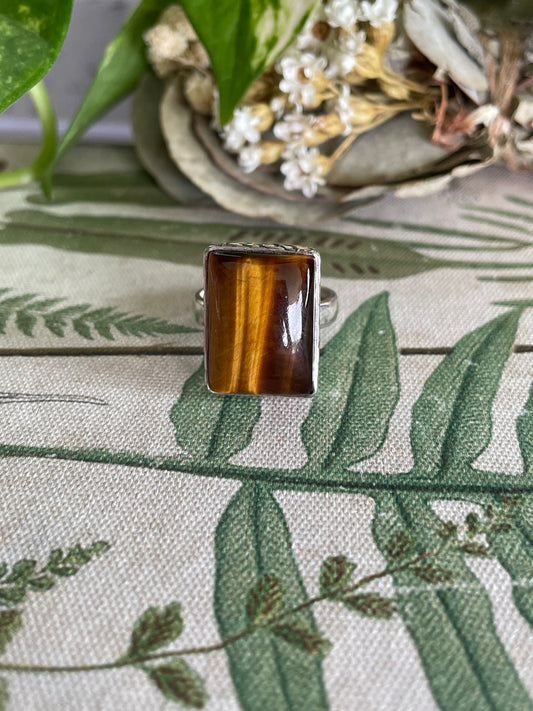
(122, 65)
(31, 35)
(243, 38)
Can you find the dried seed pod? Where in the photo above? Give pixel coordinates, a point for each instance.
(320, 30)
(394, 88)
(380, 37)
(271, 151)
(177, 20)
(260, 91)
(369, 65)
(198, 55)
(199, 92)
(363, 111)
(326, 126)
(165, 48)
(264, 113)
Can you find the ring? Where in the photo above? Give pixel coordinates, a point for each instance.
(262, 306)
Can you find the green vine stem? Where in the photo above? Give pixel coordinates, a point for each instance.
(28, 173)
(338, 595)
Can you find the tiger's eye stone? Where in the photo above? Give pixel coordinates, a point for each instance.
(261, 319)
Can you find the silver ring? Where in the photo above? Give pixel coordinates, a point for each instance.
(329, 306)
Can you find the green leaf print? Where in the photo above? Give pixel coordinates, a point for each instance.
(4, 694)
(29, 310)
(357, 391)
(178, 682)
(343, 256)
(451, 423)
(524, 430)
(213, 427)
(10, 623)
(270, 673)
(451, 624)
(514, 548)
(156, 628)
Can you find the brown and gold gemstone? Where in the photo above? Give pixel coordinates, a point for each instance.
(261, 319)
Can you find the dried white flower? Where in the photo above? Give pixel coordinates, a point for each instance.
(300, 93)
(277, 104)
(294, 128)
(342, 53)
(294, 64)
(379, 12)
(343, 13)
(250, 158)
(297, 68)
(351, 42)
(241, 129)
(302, 171)
(307, 39)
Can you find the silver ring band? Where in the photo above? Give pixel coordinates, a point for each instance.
(329, 306)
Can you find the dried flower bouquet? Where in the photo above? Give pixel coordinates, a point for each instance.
(369, 96)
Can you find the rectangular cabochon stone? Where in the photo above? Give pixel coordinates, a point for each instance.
(260, 322)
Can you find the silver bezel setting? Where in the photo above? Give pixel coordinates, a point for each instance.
(241, 249)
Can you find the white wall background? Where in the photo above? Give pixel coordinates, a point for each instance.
(94, 23)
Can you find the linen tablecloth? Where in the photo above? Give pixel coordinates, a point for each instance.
(127, 488)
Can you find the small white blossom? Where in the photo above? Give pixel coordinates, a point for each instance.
(250, 158)
(277, 105)
(301, 93)
(342, 53)
(306, 40)
(352, 42)
(241, 129)
(342, 13)
(379, 12)
(294, 128)
(302, 171)
(292, 66)
(295, 63)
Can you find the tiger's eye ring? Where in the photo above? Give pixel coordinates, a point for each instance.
(262, 306)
